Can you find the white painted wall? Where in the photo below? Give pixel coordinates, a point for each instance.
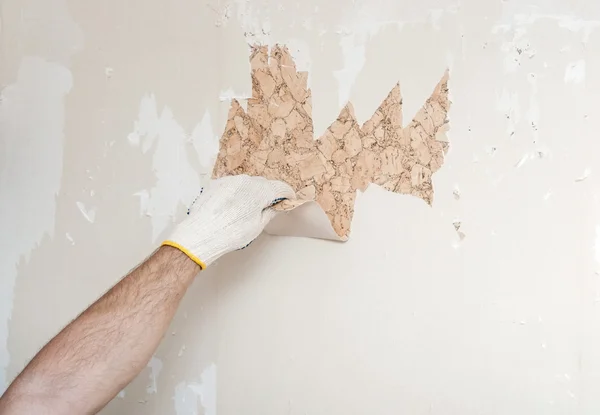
(109, 121)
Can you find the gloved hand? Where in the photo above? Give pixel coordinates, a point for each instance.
(229, 213)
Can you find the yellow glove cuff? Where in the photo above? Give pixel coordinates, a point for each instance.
(187, 252)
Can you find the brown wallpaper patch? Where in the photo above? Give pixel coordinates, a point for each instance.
(274, 139)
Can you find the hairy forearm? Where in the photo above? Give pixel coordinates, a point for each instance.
(101, 351)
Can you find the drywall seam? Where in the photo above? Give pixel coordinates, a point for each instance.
(177, 181)
(274, 138)
(32, 116)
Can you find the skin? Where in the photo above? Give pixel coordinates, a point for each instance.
(99, 353)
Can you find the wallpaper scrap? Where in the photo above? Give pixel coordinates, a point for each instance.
(274, 139)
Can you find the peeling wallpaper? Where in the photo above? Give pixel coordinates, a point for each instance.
(486, 301)
(274, 138)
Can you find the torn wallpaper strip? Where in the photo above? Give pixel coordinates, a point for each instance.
(274, 139)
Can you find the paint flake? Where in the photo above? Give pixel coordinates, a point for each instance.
(88, 214)
(586, 174)
(274, 138)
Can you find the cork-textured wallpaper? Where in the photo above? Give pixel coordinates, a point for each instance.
(274, 138)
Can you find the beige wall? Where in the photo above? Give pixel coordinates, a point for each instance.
(109, 122)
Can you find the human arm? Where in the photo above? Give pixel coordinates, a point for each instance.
(102, 350)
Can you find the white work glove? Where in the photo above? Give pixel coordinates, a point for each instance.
(229, 213)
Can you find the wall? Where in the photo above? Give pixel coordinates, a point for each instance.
(109, 121)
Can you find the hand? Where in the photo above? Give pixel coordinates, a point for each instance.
(229, 213)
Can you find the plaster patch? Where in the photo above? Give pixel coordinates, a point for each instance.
(275, 139)
(144, 201)
(177, 182)
(188, 396)
(88, 214)
(575, 72)
(205, 142)
(155, 365)
(32, 116)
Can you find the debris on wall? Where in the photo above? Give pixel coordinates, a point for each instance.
(274, 139)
